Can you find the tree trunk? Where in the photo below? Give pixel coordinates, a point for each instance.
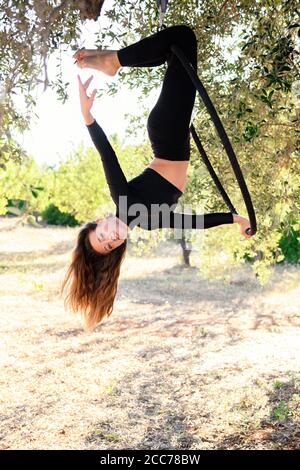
(89, 9)
(186, 251)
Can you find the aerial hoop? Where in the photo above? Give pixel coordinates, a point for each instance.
(226, 143)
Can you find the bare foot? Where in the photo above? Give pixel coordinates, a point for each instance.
(105, 60)
(81, 53)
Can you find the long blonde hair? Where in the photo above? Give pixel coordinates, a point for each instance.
(92, 279)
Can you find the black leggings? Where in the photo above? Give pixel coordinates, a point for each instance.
(168, 123)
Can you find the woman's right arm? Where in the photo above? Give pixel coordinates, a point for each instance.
(115, 177)
(204, 221)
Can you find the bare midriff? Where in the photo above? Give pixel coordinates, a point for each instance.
(173, 171)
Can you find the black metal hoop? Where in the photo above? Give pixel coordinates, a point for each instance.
(225, 141)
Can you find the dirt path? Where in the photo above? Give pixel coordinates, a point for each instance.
(182, 363)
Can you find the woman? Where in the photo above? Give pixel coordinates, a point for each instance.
(149, 199)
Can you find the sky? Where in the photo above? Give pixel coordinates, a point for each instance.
(60, 128)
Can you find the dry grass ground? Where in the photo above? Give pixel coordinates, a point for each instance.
(182, 363)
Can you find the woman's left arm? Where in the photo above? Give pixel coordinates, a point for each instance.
(115, 177)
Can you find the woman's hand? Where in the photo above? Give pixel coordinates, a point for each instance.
(86, 102)
(243, 223)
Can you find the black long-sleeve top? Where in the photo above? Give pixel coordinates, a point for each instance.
(145, 193)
